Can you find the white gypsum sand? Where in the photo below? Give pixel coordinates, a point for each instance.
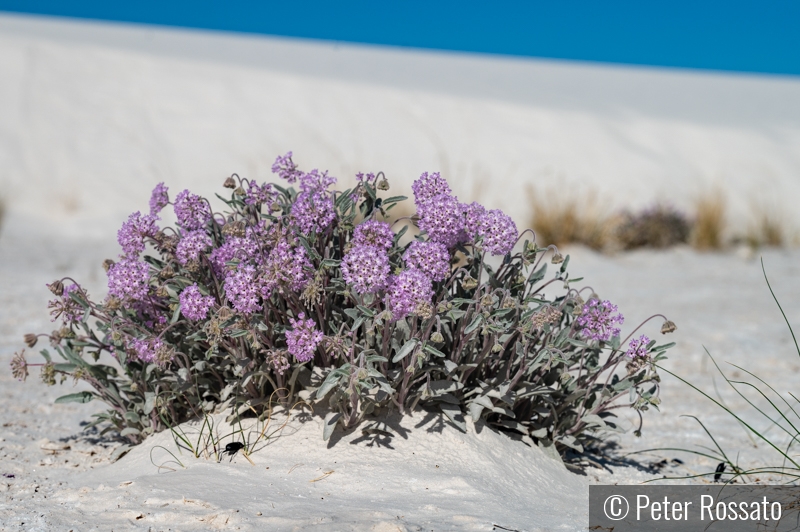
(94, 115)
(717, 300)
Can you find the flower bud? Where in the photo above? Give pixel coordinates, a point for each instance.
(225, 313)
(107, 264)
(49, 374)
(668, 327)
(496, 348)
(468, 283)
(383, 184)
(30, 340)
(437, 338)
(166, 272)
(239, 191)
(57, 287)
(113, 303)
(558, 258)
(230, 182)
(162, 291)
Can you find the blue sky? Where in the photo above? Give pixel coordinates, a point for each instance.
(739, 36)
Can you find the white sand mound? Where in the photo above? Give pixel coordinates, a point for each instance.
(413, 480)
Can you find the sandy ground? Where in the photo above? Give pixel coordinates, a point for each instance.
(95, 115)
(427, 476)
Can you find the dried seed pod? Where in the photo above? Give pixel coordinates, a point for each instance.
(31, 339)
(668, 327)
(19, 366)
(57, 287)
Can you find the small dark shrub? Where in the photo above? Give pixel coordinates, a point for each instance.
(657, 227)
(308, 294)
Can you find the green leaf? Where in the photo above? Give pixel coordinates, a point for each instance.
(176, 315)
(476, 321)
(455, 415)
(433, 351)
(663, 347)
(564, 264)
(329, 424)
(405, 350)
(80, 397)
(394, 199)
(129, 430)
(366, 311)
(331, 380)
(538, 275)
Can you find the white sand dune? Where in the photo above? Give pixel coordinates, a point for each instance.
(94, 115)
(103, 112)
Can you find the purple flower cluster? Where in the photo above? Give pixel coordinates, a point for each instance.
(65, 307)
(260, 194)
(473, 218)
(128, 279)
(313, 209)
(241, 288)
(431, 258)
(499, 232)
(408, 290)
(192, 211)
(368, 177)
(303, 339)
(194, 305)
(429, 186)
(597, 320)
(159, 198)
(449, 222)
(191, 246)
(285, 266)
(133, 232)
(146, 350)
(235, 247)
(637, 348)
(286, 168)
(373, 233)
(366, 268)
(442, 218)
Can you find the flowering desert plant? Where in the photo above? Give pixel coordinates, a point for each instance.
(309, 294)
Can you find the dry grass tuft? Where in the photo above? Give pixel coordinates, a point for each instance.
(580, 219)
(769, 228)
(709, 221)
